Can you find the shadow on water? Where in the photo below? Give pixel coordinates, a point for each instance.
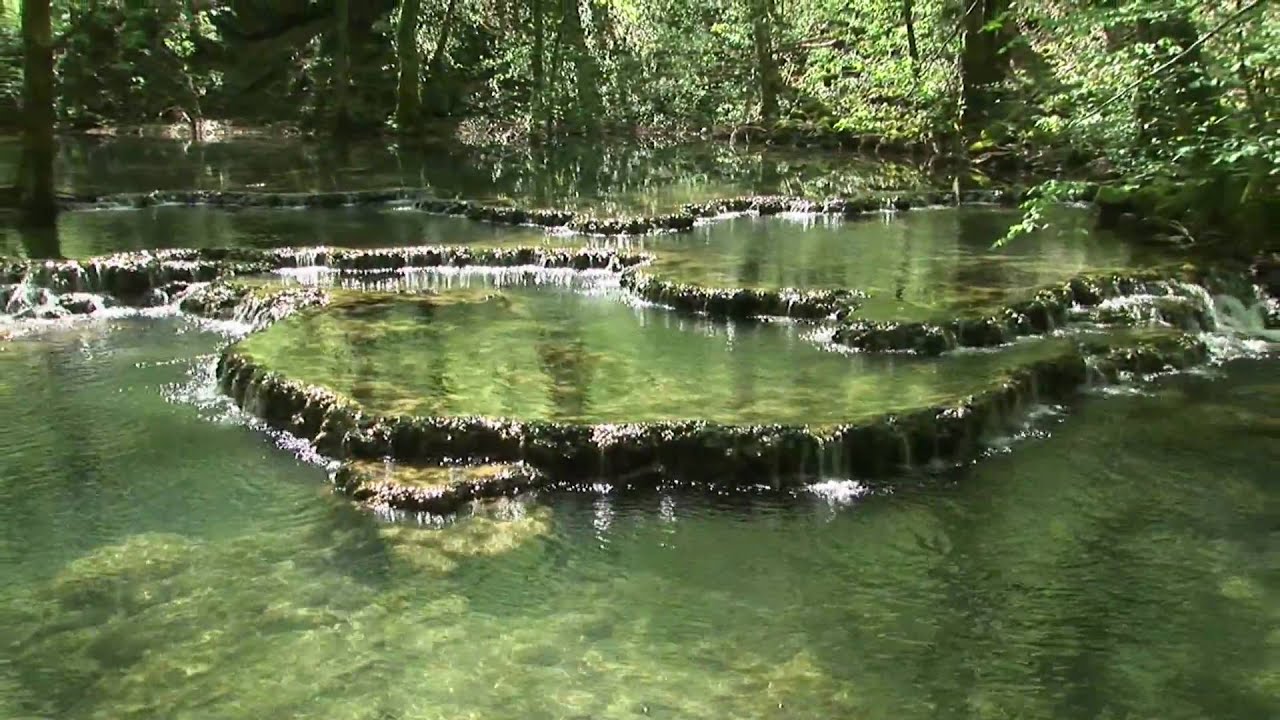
(32, 243)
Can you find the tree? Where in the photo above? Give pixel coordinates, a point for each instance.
(766, 64)
(984, 62)
(342, 69)
(537, 104)
(35, 181)
(436, 68)
(408, 93)
(913, 50)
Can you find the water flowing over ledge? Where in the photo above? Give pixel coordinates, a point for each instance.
(471, 457)
(871, 449)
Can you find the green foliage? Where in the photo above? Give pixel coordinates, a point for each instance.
(10, 64)
(135, 61)
(1168, 94)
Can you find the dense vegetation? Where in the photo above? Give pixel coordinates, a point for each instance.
(1176, 97)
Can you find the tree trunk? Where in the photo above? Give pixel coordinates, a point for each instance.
(437, 55)
(766, 63)
(341, 69)
(589, 107)
(35, 181)
(536, 102)
(408, 92)
(984, 64)
(908, 19)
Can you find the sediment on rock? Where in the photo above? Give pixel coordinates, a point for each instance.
(243, 198)
(436, 490)
(741, 303)
(1164, 300)
(746, 455)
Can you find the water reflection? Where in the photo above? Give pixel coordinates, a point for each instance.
(607, 178)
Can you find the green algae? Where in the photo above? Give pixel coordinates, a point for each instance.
(562, 357)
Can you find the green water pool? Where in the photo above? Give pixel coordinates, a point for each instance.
(535, 353)
(916, 265)
(161, 559)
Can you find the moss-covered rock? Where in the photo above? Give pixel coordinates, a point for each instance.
(741, 303)
(433, 489)
(1154, 355)
(257, 305)
(1266, 273)
(689, 450)
(1151, 297)
(682, 220)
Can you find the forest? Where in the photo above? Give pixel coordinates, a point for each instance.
(1173, 104)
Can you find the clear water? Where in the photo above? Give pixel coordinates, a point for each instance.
(163, 560)
(916, 265)
(609, 178)
(161, 557)
(99, 232)
(545, 354)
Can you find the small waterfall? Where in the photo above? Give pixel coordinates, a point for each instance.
(1207, 304)
(28, 300)
(1095, 377)
(831, 457)
(1241, 319)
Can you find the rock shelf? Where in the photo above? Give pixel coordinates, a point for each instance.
(735, 456)
(679, 221)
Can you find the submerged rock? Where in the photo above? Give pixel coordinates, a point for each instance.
(690, 450)
(437, 490)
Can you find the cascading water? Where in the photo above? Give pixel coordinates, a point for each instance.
(1246, 320)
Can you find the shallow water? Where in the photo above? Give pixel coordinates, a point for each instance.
(916, 265)
(98, 232)
(543, 353)
(163, 557)
(162, 560)
(608, 178)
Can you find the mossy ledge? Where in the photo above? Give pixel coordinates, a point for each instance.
(586, 223)
(436, 490)
(255, 305)
(1048, 309)
(741, 303)
(736, 456)
(134, 278)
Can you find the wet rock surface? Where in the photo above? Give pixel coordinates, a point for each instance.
(683, 220)
(1126, 299)
(741, 303)
(694, 450)
(256, 305)
(435, 490)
